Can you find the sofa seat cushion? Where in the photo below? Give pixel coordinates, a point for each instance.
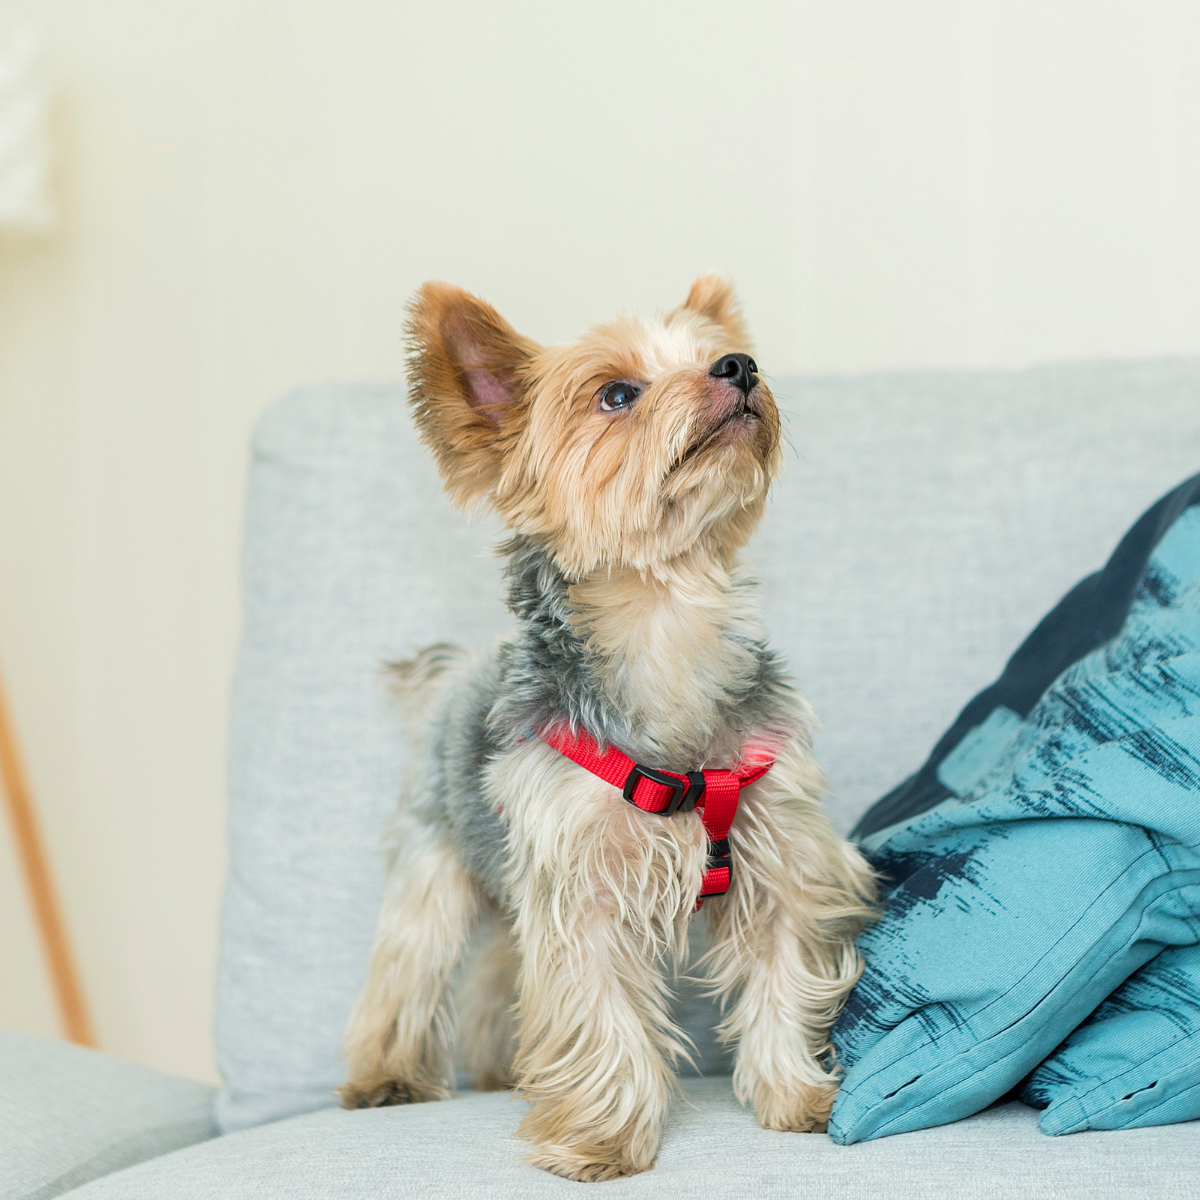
(712, 1148)
(69, 1115)
(922, 524)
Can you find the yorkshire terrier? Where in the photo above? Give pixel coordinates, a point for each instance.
(635, 748)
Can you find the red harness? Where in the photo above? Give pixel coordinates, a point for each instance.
(713, 793)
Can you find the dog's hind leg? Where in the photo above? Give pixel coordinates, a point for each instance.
(397, 1045)
(782, 945)
(487, 1019)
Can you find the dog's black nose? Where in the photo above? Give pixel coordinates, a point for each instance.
(740, 369)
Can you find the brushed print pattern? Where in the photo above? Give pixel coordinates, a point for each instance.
(1014, 910)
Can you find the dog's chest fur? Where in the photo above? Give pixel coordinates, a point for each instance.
(673, 670)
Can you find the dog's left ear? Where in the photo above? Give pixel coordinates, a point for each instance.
(468, 371)
(713, 297)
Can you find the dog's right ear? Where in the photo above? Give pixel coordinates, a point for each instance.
(468, 371)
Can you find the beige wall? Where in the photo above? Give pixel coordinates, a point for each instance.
(251, 190)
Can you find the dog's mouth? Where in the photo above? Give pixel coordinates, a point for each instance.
(742, 416)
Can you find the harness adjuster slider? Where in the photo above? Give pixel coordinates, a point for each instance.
(685, 793)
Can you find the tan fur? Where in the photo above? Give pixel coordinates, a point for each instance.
(637, 621)
(461, 351)
(782, 951)
(398, 1043)
(636, 490)
(601, 898)
(712, 297)
(397, 1047)
(644, 511)
(415, 680)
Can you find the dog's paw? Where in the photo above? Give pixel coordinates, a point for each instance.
(588, 1164)
(569, 1138)
(803, 1108)
(380, 1093)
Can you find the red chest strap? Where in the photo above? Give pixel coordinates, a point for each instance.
(714, 794)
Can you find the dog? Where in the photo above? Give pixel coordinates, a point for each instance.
(630, 467)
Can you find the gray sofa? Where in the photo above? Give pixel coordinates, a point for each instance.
(923, 524)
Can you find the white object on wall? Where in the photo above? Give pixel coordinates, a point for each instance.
(25, 203)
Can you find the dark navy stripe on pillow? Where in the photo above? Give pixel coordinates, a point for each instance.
(1091, 614)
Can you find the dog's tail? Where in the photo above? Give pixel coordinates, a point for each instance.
(418, 685)
(414, 681)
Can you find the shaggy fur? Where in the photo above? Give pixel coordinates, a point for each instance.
(635, 623)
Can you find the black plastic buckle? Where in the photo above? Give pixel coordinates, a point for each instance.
(719, 856)
(684, 795)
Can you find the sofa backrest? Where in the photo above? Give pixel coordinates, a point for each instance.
(922, 525)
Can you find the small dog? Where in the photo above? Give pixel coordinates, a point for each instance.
(631, 467)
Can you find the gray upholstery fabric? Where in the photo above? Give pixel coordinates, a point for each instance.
(69, 1115)
(922, 526)
(350, 560)
(927, 522)
(712, 1149)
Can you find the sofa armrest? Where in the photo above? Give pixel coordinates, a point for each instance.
(69, 1115)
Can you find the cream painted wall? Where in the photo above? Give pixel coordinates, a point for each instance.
(250, 191)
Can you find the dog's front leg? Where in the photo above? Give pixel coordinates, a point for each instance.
(597, 909)
(397, 1045)
(782, 946)
(590, 1057)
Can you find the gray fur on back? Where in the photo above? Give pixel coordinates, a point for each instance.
(543, 676)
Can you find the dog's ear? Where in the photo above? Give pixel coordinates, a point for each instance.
(468, 371)
(712, 297)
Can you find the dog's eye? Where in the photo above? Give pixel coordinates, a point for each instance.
(618, 395)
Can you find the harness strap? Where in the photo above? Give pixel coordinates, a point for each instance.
(714, 794)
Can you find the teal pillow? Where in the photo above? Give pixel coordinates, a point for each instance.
(1135, 1061)
(1056, 851)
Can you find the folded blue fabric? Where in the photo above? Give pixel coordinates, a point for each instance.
(1135, 1061)
(1048, 850)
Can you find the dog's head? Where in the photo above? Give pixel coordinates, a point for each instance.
(637, 443)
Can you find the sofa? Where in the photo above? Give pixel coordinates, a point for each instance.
(922, 525)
